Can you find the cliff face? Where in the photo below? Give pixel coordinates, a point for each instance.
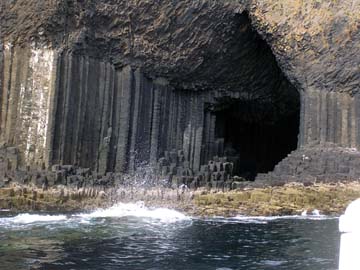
(316, 42)
(113, 85)
(26, 91)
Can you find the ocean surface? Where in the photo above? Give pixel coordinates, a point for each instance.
(131, 236)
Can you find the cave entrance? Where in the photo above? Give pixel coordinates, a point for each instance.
(255, 135)
(253, 118)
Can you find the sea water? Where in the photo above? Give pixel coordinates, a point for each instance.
(131, 236)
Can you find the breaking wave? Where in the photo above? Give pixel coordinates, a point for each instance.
(313, 215)
(31, 218)
(138, 210)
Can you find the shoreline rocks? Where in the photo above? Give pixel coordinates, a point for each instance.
(289, 199)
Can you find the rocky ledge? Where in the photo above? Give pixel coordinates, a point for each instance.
(288, 199)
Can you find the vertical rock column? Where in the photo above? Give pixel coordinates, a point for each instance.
(198, 119)
(25, 104)
(209, 137)
(160, 87)
(106, 118)
(52, 103)
(192, 128)
(115, 120)
(1, 73)
(18, 99)
(42, 88)
(126, 90)
(329, 118)
(64, 108)
(81, 125)
(141, 120)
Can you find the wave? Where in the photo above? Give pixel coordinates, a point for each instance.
(314, 215)
(31, 218)
(299, 217)
(138, 210)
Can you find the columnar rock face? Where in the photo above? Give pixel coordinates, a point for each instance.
(329, 118)
(328, 146)
(63, 108)
(27, 88)
(116, 85)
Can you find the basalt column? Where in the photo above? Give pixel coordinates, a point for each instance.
(177, 125)
(59, 107)
(328, 146)
(83, 111)
(26, 91)
(329, 118)
(141, 124)
(1, 71)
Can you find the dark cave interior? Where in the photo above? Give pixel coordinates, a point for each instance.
(256, 139)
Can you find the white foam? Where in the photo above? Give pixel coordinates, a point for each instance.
(272, 218)
(163, 215)
(267, 219)
(29, 218)
(137, 210)
(314, 213)
(273, 263)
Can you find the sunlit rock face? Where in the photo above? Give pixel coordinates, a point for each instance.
(113, 85)
(26, 94)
